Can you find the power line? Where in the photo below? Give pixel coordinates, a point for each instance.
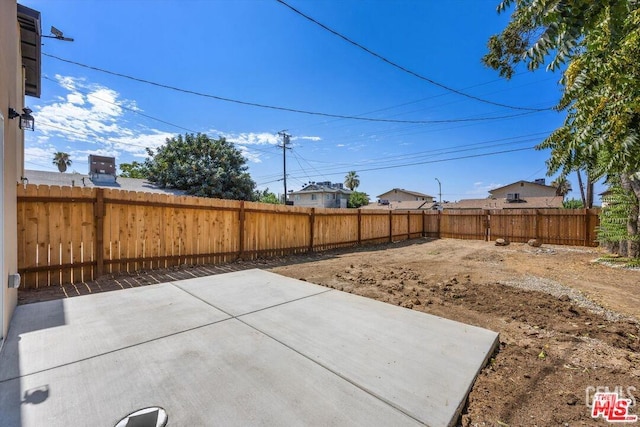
(421, 154)
(293, 110)
(426, 162)
(406, 70)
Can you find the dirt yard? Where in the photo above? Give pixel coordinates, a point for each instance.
(566, 323)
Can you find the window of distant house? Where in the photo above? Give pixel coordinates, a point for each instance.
(297, 197)
(313, 197)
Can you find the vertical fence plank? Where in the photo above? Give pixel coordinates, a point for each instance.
(76, 235)
(29, 237)
(88, 235)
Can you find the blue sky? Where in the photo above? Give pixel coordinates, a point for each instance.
(262, 52)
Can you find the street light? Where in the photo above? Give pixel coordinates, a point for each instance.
(439, 189)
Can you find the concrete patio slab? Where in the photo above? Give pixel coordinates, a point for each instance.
(236, 349)
(54, 333)
(421, 364)
(236, 293)
(225, 374)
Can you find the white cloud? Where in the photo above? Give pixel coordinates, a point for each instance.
(251, 138)
(90, 118)
(39, 156)
(75, 98)
(309, 138)
(92, 115)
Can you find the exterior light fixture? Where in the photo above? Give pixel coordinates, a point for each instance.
(26, 119)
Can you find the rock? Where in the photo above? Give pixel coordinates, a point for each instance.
(571, 399)
(534, 242)
(502, 242)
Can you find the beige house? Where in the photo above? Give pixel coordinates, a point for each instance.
(321, 195)
(401, 206)
(19, 76)
(401, 195)
(523, 189)
(518, 195)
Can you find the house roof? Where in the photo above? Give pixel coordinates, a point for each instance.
(71, 179)
(315, 188)
(401, 206)
(494, 203)
(413, 193)
(30, 45)
(518, 182)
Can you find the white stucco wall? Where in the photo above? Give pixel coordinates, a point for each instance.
(11, 95)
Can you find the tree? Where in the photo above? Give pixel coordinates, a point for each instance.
(134, 170)
(616, 205)
(352, 180)
(62, 160)
(600, 42)
(572, 204)
(201, 166)
(357, 199)
(563, 186)
(266, 197)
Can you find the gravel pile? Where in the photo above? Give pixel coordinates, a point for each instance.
(533, 283)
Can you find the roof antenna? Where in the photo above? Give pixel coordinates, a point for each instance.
(57, 34)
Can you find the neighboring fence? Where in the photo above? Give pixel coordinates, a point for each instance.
(75, 234)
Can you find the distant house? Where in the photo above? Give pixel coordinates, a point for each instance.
(102, 168)
(411, 205)
(402, 195)
(523, 189)
(81, 180)
(518, 195)
(321, 195)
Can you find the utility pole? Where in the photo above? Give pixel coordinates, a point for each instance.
(285, 142)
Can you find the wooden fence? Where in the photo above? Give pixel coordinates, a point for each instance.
(75, 234)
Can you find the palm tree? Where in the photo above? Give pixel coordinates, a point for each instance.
(352, 181)
(61, 160)
(563, 186)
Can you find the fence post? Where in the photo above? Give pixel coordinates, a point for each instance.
(98, 210)
(487, 226)
(241, 230)
(312, 226)
(359, 226)
(424, 219)
(439, 223)
(536, 226)
(390, 226)
(408, 225)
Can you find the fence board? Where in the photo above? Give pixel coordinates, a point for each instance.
(74, 212)
(463, 224)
